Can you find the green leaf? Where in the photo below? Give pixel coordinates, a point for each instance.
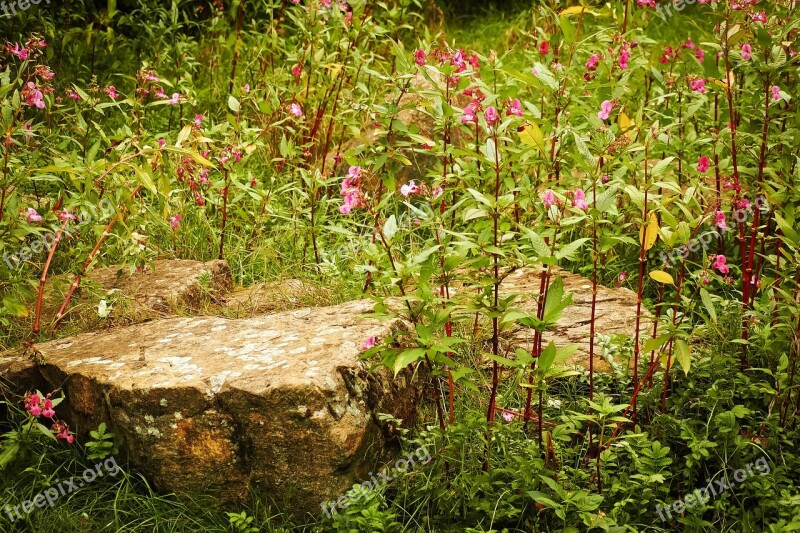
(709, 304)
(233, 104)
(407, 357)
(547, 357)
(683, 355)
(390, 228)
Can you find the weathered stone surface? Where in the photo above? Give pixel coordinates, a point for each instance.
(168, 284)
(615, 312)
(279, 403)
(274, 296)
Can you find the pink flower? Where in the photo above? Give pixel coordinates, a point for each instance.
(62, 432)
(469, 114)
(698, 85)
(32, 404)
(515, 108)
(703, 163)
(409, 188)
(622, 276)
(699, 54)
(246, 88)
(508, 417)
(437, 192)
(544, 47)
(370, 342)
(743, 204)
(33, 96)
(19, 51)
(776, 92)
(624, 57)
(720, 264)
(548, 198)
(48, 411)
(175, 220)
(605, 109)
(35, 410)
(111, 91)
(160, 94)
(176, 98)
(719, 217)
(33, 216)
(296, 110)
(419, 57)
(297, 70)
(746, 49)
(594, 60)
(64, 215)
(74, 95)
(648, 3)
(352, 195)
(579, 200)
(198, 120)
(162, 143)
(491, 116)
(760, 17)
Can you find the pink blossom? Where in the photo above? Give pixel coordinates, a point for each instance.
(159, 93)
(605, 109)
(370, 342)
(111, 91)
(719, 217)
(776, 92)
(246, 88)
(746, 49)
(296, 110)
(437, 192)
(703, 163)
(469, 114)
(198, 120)
(33, 216)
(579, 200)
(419, 57)
(19, 51)
(491, 116)
(66, 215)
(175, 220)
(624, 57)
(760, 17)
(62, 432)
(515, 108)
(176, 98)
(352, 195)
(720, 264)
(544, 47)
(32, 402)
(648, 3)
(33, 96)
(698, 85)
(162, 143)
(548, 198)
(48, 411)
(409, 189)
(74, 95)
(594, 60)
(297, 71)
(743, 204)
(622, 276)
(508, 417)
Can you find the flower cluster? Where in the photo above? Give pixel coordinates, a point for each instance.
(44, 406)
(351, 191)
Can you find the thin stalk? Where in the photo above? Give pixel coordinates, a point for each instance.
(43, 278)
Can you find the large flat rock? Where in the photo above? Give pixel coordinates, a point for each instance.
(279, 403)
(615, 313)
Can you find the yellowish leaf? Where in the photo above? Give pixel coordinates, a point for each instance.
(626, 125)
(649, 238)
(574, 10)
(531, 135)
(662, 277)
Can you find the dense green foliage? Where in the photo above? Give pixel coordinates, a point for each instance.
(374, 149)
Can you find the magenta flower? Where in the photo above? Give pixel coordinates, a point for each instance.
(622, 276)
(624, 58)
(579, 200)
(698, 85)
(409, 189)
(66, 215)
(491, 116)
(296, 110)
(246, 88)
(33, 96)
(111, 91)
(544, 47)
(469, 114)
(746, 49)
(419, 57)
(32, 402)
(198, 120)
(515, 108)
(33, 216)
(437, 192)
(703, 163)
(297, 70)
(162, 143)
(175, 220)
(74, 95)
(605, 109)
(594, 60)
(720, 264)
(48, 411)
(776, 92)
(508, 417)
(62, 432)
(760, 17)
(351, 192)
(176, 98)
(719, 220)
(549, 199)
(743, 204)
(370, 342)
(19, 51)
